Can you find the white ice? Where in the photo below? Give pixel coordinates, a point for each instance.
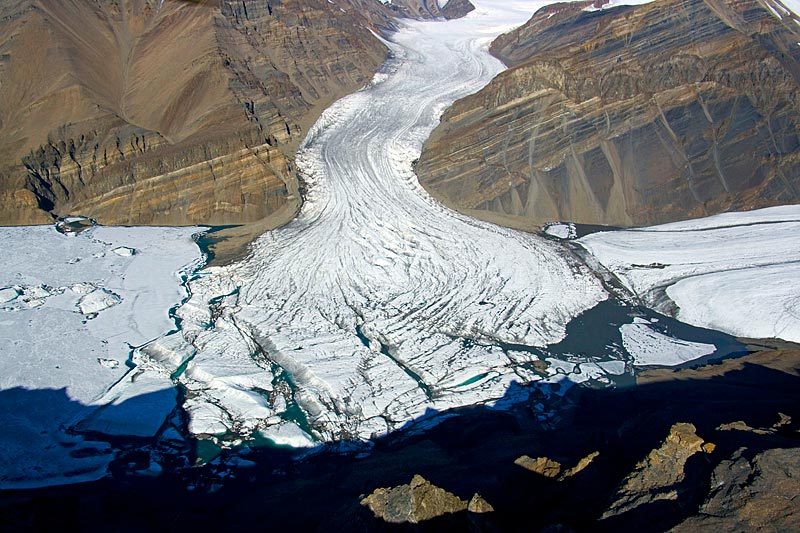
(73, 308)
(561, 230)
(647, 346)
(735, 272)
(378, 303)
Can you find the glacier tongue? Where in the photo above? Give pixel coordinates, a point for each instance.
(377, 304)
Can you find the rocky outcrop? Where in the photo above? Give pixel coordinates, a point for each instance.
(550, 468)
(170, 112)
(658, 475)
(415, 502)
(478, 505)
(751, 495)
(452, 9)
(543, 466)
(627, 116)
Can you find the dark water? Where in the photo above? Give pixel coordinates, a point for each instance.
(207, 240)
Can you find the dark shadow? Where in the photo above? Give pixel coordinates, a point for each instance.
(471, 452)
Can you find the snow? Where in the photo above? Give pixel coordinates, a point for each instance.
(288, 434)
(124, 251)
(96, 301)
(377, 304)
(734, 272)
(561, 230)
(616, 3)
(649, 347)
(66, 336)
(784, 8)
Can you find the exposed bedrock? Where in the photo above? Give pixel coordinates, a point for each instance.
(170, 112)
(452, 9)
(627, 116)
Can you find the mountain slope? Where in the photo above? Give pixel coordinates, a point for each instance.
(170, 112)
(627, 116)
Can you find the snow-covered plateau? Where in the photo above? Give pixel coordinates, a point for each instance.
(375, 309)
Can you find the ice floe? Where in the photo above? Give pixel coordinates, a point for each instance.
(561, 230)
(59, 370)
(647, 346)
(735, 272)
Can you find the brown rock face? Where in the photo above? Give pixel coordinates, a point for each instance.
(416, 502)
(749, 495)
(430, 8)
(657, 476)
(633, 115)
(541, 465)
(169, 112)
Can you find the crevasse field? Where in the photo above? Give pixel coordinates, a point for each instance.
(375, 309)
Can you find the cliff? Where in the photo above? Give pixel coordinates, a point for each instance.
(170, 112)
(628, 116)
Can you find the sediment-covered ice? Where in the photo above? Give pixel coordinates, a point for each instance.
(735, 272)
(377, 305)
(72, 309)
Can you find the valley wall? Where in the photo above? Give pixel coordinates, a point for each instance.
(628, 116)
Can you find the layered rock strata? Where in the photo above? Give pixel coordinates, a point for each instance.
(628, 116)
(170, 112)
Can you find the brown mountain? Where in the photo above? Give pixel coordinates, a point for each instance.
(170, 112)
(627, 116)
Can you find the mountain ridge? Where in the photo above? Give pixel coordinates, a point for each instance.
(616, 117)
(172, 112)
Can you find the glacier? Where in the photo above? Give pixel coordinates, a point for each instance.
(376, 305)
(375, 309)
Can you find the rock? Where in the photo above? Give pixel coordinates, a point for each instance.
(478, 505)
(455, 9)
(628, 116)
(657, 476)
(541, 465)
(416, 502)
(582, 464)
(783, 423)
(190, 114)
(423, 9)
(761, 494)
(709, 447)
(549, 468)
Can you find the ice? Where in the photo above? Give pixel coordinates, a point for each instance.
(734, 272)
(561, 230)
(8, 294)
(124, 251)
(96, 301)
(649, 347)
(49, 350)
(288, 434)
(615, 3)
(378, 304)
(784, 8)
